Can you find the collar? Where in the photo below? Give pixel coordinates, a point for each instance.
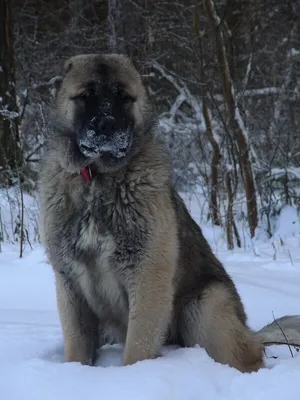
(86, 173)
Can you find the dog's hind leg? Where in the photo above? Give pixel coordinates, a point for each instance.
(212, 319)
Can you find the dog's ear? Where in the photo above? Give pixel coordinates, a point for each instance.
(55, 84)
(68, 65)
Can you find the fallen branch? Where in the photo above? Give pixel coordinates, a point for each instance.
(282, 331)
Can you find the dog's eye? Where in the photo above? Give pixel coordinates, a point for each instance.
(126, 97)
(84, 96)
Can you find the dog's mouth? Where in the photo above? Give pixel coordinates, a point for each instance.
(96, 145)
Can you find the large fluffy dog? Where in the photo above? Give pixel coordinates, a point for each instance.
(130, 263)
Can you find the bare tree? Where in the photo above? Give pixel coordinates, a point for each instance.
(128, 29)
(215, 162)
(116, 26)
(237, 124)
(10, 149)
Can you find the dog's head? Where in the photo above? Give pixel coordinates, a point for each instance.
(102, 111)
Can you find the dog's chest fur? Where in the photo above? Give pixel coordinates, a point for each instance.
(99, 235)
(97, 278)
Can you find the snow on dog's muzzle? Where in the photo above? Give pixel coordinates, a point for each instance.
(93, 144)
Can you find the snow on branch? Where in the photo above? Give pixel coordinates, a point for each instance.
(262, 91)
(277, 173)
(268, 91)
(294, 53)
(184, 94)
(6, 114)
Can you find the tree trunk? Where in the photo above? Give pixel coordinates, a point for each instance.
(116, 26)
(229, 214)
(10, 149)
(128, 28)
(235, 117)
(230, 223)
(215, 163)
(216, 157)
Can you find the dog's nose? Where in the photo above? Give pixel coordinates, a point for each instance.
(106, 125)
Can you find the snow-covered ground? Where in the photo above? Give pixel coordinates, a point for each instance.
(31, 351)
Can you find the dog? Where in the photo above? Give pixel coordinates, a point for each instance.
(131, 265)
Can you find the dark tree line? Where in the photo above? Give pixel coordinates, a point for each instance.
(10, 147)
(224, 76)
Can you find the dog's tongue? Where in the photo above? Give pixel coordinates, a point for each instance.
(86, 174)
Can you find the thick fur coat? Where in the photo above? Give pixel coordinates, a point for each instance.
(130, 263)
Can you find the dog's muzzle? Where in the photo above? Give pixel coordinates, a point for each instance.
(93, 144)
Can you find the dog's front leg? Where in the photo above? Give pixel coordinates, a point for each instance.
(79, 323)
(150, 308)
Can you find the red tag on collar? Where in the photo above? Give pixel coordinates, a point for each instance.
(86, 173)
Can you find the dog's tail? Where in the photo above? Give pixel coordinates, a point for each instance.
(285, 330)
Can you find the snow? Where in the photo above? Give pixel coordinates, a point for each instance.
(6, 114)
(294, 53)
(31, 347)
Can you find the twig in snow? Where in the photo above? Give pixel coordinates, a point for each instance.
(282, 331)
